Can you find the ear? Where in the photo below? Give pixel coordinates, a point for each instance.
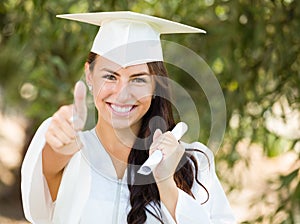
(88, 73)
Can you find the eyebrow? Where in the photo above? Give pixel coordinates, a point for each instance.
(133, 75)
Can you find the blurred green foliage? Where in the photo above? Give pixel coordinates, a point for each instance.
(253, 46)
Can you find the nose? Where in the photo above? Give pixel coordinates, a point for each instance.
(122, 90)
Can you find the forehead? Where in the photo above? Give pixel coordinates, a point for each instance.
(102, 63)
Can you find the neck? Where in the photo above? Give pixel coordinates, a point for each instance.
(117, 142)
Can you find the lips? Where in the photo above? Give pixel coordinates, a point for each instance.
(121, 109)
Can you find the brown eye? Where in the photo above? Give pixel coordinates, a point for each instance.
(109, 77)
(139, 80)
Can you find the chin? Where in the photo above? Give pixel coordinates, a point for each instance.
(123, 124)
(119, 125)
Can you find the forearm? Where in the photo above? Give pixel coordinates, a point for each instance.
(168, 193)
(53, 162)
(53, 165)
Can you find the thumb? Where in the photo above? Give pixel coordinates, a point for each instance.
(156, 134)
(80, 108)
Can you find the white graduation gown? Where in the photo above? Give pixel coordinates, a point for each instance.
(91, 193)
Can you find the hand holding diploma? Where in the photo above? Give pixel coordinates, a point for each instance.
(156, 157)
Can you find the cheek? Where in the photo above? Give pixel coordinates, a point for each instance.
(146, 102)
(99, 95)
(143, 93)
(102, 89)
(100, 86)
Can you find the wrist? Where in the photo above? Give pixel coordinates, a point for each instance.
(167, 187)
(168, 193)
(166, 182)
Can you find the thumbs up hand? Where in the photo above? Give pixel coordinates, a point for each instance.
(62, 135)
(80, 108)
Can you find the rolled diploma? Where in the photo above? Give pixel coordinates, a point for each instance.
(155, 158)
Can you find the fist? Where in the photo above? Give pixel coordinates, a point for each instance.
(62, 135)
(172, 152)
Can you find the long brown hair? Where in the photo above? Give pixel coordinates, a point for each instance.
(143, 189)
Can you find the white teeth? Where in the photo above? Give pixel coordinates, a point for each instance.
(121, 109)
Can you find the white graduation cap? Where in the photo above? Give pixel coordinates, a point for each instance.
(129, 38)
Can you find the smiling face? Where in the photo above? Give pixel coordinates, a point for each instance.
(122, 96)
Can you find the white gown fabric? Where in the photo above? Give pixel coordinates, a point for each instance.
(90, 191)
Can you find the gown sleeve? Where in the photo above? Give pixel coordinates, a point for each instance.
(189, 210)
(37, 203)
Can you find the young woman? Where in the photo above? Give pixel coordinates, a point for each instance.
(74, 176)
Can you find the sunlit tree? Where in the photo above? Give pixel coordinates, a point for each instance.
(253, 47)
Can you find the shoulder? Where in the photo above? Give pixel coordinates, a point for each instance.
(199, 146)
(204, 161)
(200, 151)
(88, 136)
(90, 142)
(45, 124)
